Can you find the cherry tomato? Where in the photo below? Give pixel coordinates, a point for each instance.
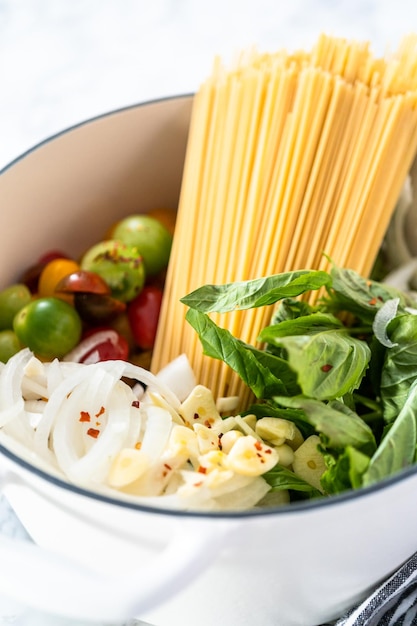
(112, 348)
(9, 345)
(52, 274)
(96, 308)
(50, 327)
(120, 265)
(12, 299)
(149, 237)
(166, 216)
(30, 276)
(120, 323)
(143, 315)
(51, 255)
(83, 281)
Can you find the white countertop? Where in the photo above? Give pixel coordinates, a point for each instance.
(64, 61)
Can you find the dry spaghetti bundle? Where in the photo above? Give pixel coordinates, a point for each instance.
(290, 157)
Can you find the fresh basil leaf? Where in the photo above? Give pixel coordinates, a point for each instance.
(340, 426)
(291, 309)
(345, 472)
(397, 449)
(305, 325)
(328, 364)
(254, 293)
(361, 296)
(264, 373)
(280, 477)
(400, 365)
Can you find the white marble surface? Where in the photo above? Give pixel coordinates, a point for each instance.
(64, 61)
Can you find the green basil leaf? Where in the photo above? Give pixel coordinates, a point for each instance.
(361, 296)
(329, 364)
(280, 477)
(264, 373)
(254, 293)
(271, 409)
(400, 365)
(340, 426)
(397, 449)
(345, 472)
(305, 325)
(291, 309)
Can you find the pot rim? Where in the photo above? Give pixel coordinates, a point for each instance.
(89, 120)
(294, 508)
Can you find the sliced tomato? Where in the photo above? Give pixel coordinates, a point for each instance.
(100, 344)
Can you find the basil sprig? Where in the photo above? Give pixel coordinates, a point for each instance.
(332, 368)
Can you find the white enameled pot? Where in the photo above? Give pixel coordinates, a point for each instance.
(105, 560)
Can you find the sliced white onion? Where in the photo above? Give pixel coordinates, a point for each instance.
(11, 400)
(158, 430)
(383, 317)
(179, 376)
(135, 372)
(76, 375)
(95, 465)
(84, 446)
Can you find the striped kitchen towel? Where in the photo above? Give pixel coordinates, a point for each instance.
(393, 603)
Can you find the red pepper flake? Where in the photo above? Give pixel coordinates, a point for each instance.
(101, 411)
(258, 445)
(373, 301)
(326, 368)
(202, 470)
(198, 484)
(167, 466)
(136, 404)
(93, 432)
(268, 451)
(85, 416)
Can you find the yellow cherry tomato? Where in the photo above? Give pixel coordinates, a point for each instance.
(166, 216)
(50, 276)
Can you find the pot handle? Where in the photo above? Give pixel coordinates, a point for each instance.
(46, 581)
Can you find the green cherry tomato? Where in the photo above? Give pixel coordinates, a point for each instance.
(49, 327)
(12, 299)
(120, 265)
(9, 345)
(152, 239)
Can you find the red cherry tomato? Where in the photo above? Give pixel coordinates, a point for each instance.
(115, 347)
(143, 313)
(51, 255)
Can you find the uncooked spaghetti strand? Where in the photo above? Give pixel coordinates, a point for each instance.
(318, 173)
(270, 160)
(356, 102)
(170, 323)
(350, 197)
(385, 194)
(375, 146)
(311, 206)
